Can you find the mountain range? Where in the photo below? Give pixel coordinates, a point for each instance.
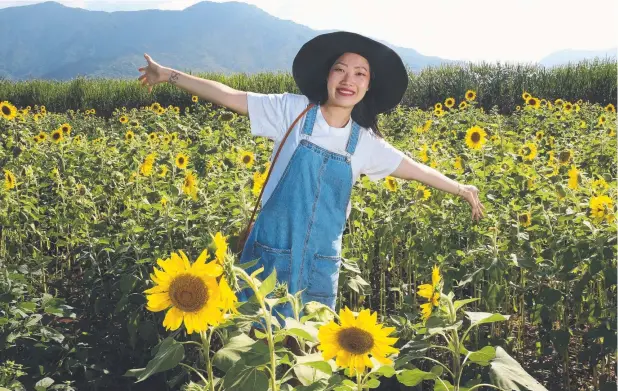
(51, 41)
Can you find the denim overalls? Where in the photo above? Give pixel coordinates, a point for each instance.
(299, 229)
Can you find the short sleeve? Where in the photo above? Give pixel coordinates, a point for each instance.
(383, 159)
(270, 115)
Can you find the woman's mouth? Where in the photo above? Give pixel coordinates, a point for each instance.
(345, 92)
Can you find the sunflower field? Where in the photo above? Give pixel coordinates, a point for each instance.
(118, 262)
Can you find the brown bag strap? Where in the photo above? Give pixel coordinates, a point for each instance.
(246, 232)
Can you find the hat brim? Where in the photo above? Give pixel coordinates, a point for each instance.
(314, 59)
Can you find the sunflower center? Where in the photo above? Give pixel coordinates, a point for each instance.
(56, 136)
(188, 293)
(246, 159)
(476, 137)
(181, 160)
(355, 340)
(6, 111)
(564, 156)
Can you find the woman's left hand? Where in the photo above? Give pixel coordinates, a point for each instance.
(471, 194)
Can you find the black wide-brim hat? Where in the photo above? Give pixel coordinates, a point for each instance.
(314, 59)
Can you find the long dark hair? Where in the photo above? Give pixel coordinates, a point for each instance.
(364, 112)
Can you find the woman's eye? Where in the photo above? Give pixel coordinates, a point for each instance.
(361, 74)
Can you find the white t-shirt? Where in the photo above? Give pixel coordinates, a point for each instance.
(271, 115)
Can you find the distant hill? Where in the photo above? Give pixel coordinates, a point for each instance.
(563, 57)
(51, 41)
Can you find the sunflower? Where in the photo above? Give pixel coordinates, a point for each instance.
(567, 107)
(9, 180)
(258, 182)
(533, 102)
(439, 112)
(559, 102)
(573, 177)
(540, 135)
(463, 105)
(427, 125)
(431, 292)
(153, 137)
(36, 117)
(528, 151)
(77, 139)
(458, 165)
(36, 139)
(424, 158)
(422, 192)
(525, 219)
(189, 185)
(221, 245)
(43, 110)
(146, 167)
(390, 183)
(194, 98)
(155, 107)
(66, 129)
(160, 110)
(176, 109)
(174, 136)
(42, 136)
(7, 110)
(602, 120)
(354, 339)
(564, 157)
(57, 135)
(163, 169)
(543, 102)
(123, 119)
(449, 102)
(601, 206)
(167, 139)
(437, 106)
(163, 202)
(182, 161)
(525, 96)
(470, 95)
(517, 108)
(134, 123)
(600, 185)
(475, 137)
(610, 108)
(576, 108)
(583, 124)
(129, 136)
(190, 291)
(436, 145)
(247, 158)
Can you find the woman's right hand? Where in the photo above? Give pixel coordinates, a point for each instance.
(153, 73)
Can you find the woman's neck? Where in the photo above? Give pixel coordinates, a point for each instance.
(336, 116)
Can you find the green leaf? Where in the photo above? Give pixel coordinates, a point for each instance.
(373, 383)
(481, 357)
(308, 371)
(412, 377)
(478, 318)
(507, 374)
(302, 330)
(460, 303)
(43, 384)
(242, 377)
(268, 284)
(386, 371)
(232, 352)
(168, 355)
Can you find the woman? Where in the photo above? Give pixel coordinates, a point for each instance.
(350, 79)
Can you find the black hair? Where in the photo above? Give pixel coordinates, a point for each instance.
(364, 112)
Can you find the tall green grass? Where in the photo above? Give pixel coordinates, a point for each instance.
(496, 85)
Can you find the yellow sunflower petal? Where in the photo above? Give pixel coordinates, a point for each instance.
(173, 319)
(425, 290)
(347, 317)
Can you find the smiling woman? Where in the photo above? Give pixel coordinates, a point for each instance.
(346, 80)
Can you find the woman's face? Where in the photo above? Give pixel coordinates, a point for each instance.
(348, 80)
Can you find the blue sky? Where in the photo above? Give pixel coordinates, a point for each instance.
(474, 30)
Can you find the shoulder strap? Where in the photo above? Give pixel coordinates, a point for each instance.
(309, 106)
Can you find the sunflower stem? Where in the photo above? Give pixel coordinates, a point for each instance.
(359, 382)
(269, 334)
(206, 342)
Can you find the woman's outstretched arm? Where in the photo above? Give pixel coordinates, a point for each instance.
(209, 90)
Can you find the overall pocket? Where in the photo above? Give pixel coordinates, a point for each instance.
(324, 276)
(273, 258)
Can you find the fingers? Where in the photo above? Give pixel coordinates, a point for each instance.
(147, 57)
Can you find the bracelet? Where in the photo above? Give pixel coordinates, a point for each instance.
(458, 189)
